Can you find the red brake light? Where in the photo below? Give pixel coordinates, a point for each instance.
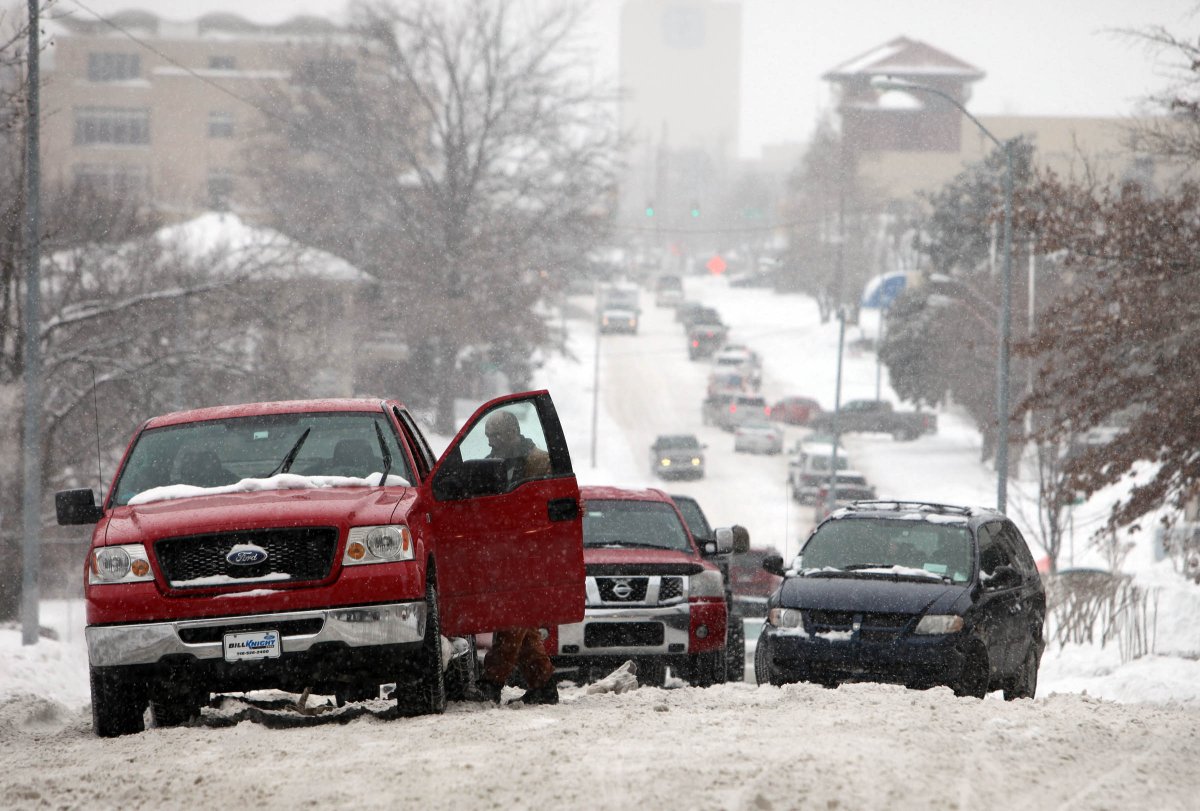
(732, 408)
(695, 343)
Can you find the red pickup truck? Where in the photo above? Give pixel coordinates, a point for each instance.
(317, 545)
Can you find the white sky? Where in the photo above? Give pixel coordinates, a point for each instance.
(1041, 57)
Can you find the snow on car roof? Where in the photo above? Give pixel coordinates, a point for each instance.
(282, 481)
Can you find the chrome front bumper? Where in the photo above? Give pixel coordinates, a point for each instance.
(675, 619)
(355, 626)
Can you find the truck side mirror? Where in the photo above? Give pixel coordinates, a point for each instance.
(741, 539)
(774, 565)
(723, 537)
(77, 507)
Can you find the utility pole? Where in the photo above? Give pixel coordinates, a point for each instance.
(31, 438)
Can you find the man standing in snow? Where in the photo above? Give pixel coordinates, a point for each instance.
(517, 647)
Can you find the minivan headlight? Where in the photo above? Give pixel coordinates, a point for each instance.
(785, 617)
(939, 624)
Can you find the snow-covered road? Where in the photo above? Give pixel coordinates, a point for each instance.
(734, 746)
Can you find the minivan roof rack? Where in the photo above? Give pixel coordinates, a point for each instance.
(902, 505)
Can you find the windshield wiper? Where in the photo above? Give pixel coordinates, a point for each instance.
(286, 464)
(853, 567)
(387, 455)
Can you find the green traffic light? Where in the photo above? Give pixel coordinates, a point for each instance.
(695, 212)
(649, 211)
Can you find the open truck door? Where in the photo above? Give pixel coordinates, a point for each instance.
(509, 527)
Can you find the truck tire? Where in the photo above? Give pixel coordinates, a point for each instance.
(707, 668)
(421, 688)
(174, 711)
(735, 650)
(118, 702)
(462, 673)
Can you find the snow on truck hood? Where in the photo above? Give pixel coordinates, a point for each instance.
(218, 509)
(282, 481)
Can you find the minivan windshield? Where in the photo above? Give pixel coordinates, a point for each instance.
(646, 524)
(219, 453)
(855, 544)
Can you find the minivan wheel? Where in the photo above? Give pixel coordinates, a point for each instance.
(973, 680)
(1024, 683)
(764, 673)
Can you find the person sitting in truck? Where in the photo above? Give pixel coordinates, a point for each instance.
(514, 648)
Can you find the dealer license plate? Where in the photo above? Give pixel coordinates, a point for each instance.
(247, 645)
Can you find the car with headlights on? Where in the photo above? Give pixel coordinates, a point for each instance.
(757, 436)
(912, 593)
(654, 593)
(319, 545)
(677, 456)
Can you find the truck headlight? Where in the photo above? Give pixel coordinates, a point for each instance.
(785, 617)
(127, 563)
(706, 584)
(379, 544)
(939, 624)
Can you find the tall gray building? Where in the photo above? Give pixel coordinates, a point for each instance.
(680, 74)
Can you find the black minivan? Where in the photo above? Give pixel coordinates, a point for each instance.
(911, 593)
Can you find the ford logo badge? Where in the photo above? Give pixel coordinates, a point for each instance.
(246, 555)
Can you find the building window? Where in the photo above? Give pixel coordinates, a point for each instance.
(112, 125)
(112, 180)
(220, 124)
(222, 63)
(330, 75)
(220, 190)
(114, 67)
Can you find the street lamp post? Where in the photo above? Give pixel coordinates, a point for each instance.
(1005, 319)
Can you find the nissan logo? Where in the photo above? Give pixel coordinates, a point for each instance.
(621, 589)
(246, 555)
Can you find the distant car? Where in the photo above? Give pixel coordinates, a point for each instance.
(795, 410)
(910, 593)
(721, 381)
(677, 456)
(703, 340)
(757, 436)
(878, 416)
(742, 360)
(618, 319)
(731, 410)
(668, 290)
(810, 465)
(851, 486)
(693, 316)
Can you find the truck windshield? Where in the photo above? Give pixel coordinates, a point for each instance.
(645, 524)
(940, 549)
(218, 453)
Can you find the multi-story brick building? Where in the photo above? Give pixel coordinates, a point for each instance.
(136, 104)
